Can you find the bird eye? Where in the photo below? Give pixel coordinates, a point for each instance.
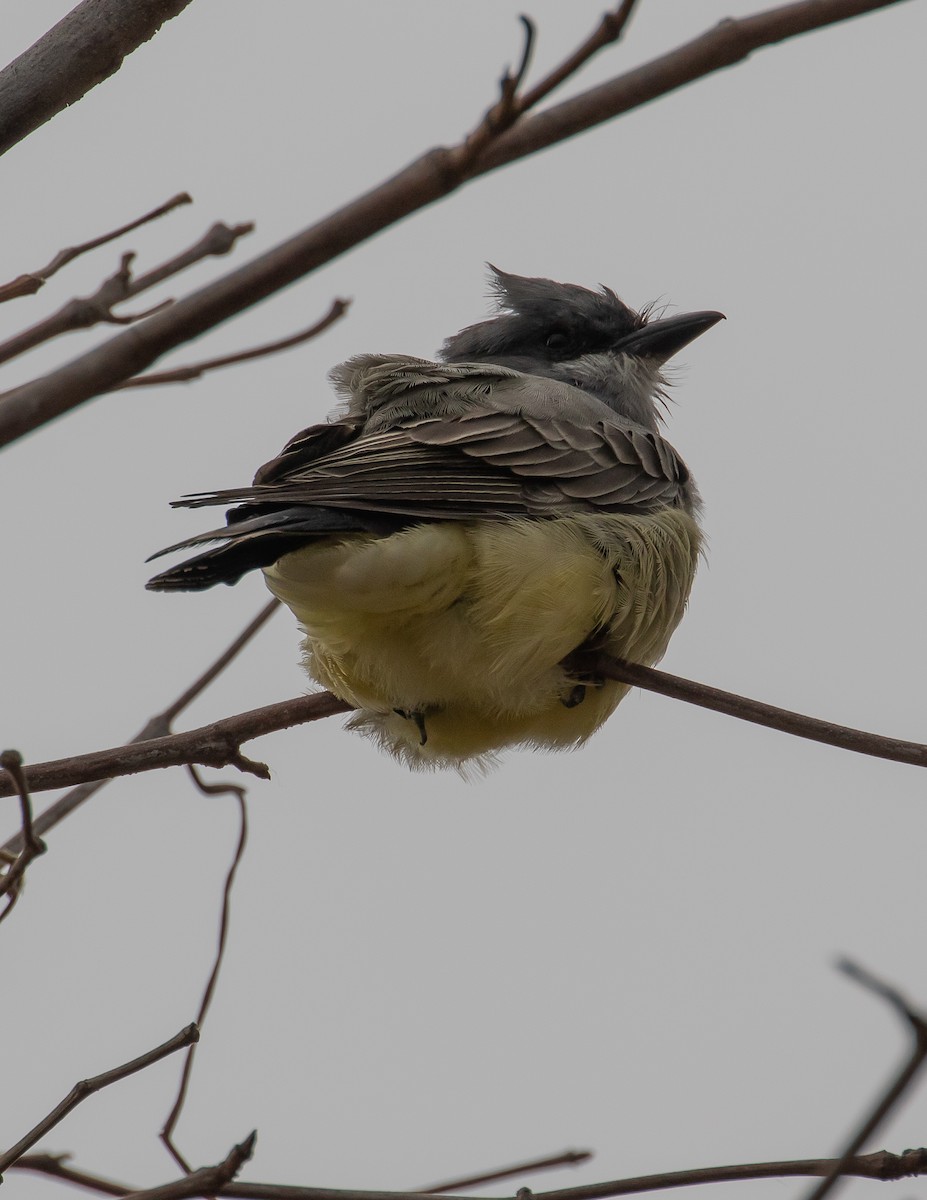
(557, 339)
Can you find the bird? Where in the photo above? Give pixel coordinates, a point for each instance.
(462, 537)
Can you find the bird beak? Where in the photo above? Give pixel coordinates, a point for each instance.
(662, 339)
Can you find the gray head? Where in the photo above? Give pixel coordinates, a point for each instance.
(589, 339)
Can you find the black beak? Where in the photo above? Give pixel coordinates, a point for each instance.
(662, 339)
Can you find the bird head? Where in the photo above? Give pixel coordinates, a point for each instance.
(591, 340)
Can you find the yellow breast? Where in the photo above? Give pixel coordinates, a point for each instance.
(463, 626)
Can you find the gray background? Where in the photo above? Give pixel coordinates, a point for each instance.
(628, 948)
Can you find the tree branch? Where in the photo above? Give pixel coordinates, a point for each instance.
(87, 1087)
(880, 1165)
(207, 1181)
(28, 284)
(31, 845)
(568, 1158)
(429, 178)
(157, 726)
(215, 745)
(759, 713)
(83, 49)
(910, 1069)
(196, 370)
(84, 312)
(167, 1132)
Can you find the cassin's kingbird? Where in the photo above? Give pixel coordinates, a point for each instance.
(460, 532)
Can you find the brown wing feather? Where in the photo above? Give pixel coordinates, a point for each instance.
(483, 464)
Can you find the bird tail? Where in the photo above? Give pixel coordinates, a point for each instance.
(251, 542)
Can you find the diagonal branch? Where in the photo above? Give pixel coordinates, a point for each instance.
(196, 370)
(87, 311)
(158, 726)
(83, 49)
(29, 284)
(429, 178)
(909, 1070)
(758, 713)
(87, 1087)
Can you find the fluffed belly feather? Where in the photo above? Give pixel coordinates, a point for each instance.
(449, 638)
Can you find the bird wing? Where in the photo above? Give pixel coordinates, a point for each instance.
(483, 464)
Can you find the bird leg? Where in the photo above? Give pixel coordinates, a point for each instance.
(418, 717)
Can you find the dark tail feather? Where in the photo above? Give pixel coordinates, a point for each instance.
(254, 540)
(224, 564)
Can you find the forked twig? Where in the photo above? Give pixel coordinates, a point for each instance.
(28, 284)
(917, 1024)
(87, 1087)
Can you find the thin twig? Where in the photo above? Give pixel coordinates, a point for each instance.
(32, 845)
(234, 648)
(207, 1181)
(158, 726)
(86, 311)
(30, 283)
(917, 1023)
(424, 181)
(610, 29)
(87, 1087)
(568, 1158)
(167, 1132)
(758, 713)
(196, 370)
(55, 1166)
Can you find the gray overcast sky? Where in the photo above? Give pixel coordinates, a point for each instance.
(628, 948)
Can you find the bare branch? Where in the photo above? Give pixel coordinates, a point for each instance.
(84, 312)
(196, 370)
(917, 1023)
(424, 181)
(30, 283)
(207, 1181)
(32, 846)
(732, 41)
(167, 1132)
(610, 29)
(87, 1087)
(83, 49)
(157, 726)
(880, 1165)
(215, 745)
(568, 1158)
(755, 711)
(166, 718)
(55, 1166)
